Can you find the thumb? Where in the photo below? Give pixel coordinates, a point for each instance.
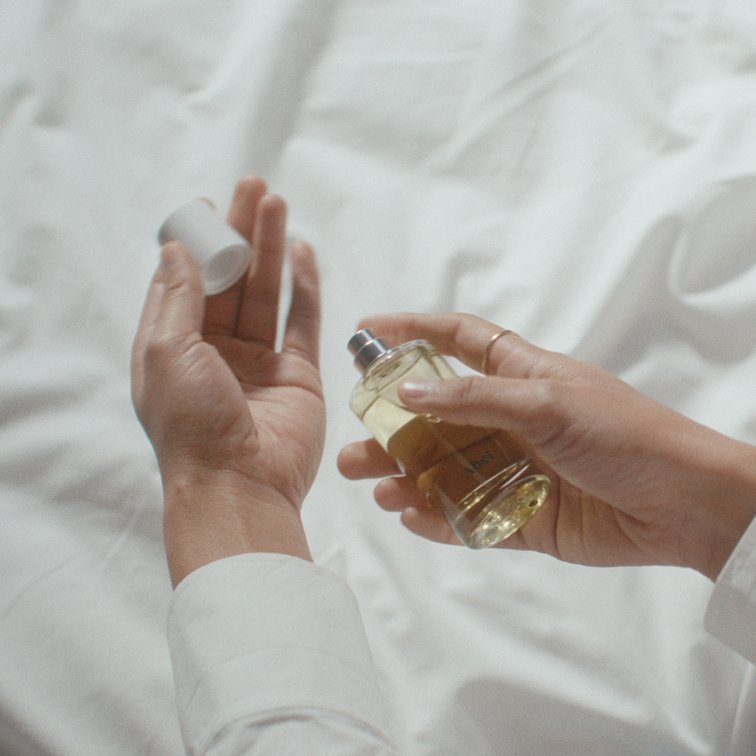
(518, 405)
(182, 307)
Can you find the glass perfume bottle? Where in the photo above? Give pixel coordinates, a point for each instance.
(481, 478)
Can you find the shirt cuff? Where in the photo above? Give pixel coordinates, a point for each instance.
(253, 634)
(731, 614)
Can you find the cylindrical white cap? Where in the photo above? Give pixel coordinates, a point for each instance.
(221, 251)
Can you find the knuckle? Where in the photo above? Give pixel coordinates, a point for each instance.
(160, 348)
(549, 409)
(469, 390)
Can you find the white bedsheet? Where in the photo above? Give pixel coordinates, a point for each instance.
(582, 172)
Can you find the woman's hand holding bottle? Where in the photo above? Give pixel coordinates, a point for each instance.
(633, 482)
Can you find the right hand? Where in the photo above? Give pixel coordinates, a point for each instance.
(633, 482)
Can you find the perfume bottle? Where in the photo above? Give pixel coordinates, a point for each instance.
(481, 478)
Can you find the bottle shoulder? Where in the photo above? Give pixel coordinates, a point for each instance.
(396, 363)
(416, 360)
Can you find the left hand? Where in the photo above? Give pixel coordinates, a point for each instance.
(633, 482)
(236, 425)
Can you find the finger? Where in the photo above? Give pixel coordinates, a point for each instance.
(258, 310)
(181, 307)
(144, 331)
(465, 337)
(398, 493)
(365, 459)
(303, 323)
(242, 214)
(429, 524)
(531, 408)
(222, 310)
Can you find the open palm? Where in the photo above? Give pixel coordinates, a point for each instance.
(210, 386)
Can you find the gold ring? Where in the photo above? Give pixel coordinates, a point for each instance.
(489, 347)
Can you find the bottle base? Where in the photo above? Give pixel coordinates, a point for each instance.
(496, 509)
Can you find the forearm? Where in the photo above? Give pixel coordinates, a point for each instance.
(207, 519)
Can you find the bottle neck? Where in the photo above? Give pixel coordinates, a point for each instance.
(366, 348)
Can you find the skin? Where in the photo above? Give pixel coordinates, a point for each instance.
(237, 425)
(633, 482)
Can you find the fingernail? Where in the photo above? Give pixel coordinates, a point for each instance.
(418, 389)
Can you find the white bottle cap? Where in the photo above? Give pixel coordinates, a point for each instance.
(223, 252)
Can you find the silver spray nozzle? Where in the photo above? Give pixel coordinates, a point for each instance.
(366, 348)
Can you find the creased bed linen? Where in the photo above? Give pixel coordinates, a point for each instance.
(583, 173)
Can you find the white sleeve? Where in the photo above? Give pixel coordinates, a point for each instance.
(731, 614)
(270, 656)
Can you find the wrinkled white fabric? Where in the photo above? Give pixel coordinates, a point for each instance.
(731, 615)
(270, 657)
(582, 172)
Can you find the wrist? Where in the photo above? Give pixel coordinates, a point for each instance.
(724, 506)
(213, 515)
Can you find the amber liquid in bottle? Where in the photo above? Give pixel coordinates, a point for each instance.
(480, 478)
(463, 468)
